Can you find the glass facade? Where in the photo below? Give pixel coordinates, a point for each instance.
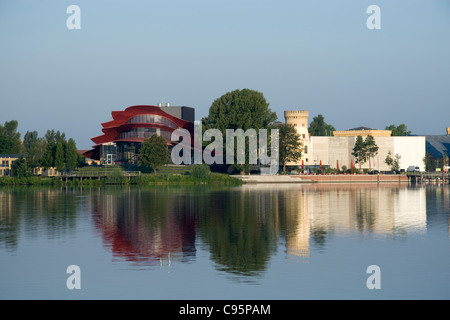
(143, 133)
(108, 153)
(128, 152)
(151, 118)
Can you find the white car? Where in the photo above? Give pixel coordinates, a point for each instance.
(413, 169)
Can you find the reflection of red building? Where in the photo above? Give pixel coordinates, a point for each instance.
(137, 232)
(123, 136)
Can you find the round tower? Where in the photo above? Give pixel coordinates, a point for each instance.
(299, 119)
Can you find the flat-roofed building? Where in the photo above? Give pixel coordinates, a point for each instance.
(6, 161)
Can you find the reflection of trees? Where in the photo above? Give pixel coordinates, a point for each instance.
(240, 228)
(48, 210)
(364, 210)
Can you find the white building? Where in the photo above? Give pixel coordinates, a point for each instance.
(337, 150)
(334, 151)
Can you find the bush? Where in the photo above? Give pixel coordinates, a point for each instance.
(116, 176)
(200, 171)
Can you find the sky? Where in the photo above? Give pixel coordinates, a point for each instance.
(315, 55)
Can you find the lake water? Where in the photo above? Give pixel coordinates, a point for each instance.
(249, 242)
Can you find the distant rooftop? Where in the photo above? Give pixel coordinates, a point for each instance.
(437, 145)
(361, 128)
(10, 155)
(362, 131)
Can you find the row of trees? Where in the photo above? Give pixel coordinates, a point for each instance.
(51, 150)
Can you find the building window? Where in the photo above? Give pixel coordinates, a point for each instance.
(151, 118)
(306, 149)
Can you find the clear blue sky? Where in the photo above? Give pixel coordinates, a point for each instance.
(315, 55)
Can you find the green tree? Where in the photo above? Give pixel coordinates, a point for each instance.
(359, 151)
(318, 127)
(393, 161)
(59, 157)
(239, 109)
(364, 150)
(20, 168)
(71, 155)
(154, 152)
(10, 142)
(52, 139)
(290, 146)
(371, 148)
(34, 148)
(400, 130)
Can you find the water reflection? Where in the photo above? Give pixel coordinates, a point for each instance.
(145, 226)
(241, 227)
(48, 213)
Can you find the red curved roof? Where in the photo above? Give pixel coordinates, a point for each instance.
(113, 128)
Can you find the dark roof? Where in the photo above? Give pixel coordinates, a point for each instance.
(361, 128)
(11, 155)
(437, 145)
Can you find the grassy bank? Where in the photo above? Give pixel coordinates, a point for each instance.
(118, 178)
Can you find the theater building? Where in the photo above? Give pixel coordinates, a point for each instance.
(123, 136)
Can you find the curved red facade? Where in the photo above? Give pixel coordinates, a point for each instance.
(123, 129)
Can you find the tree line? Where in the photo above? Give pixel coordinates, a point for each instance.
(53, 150)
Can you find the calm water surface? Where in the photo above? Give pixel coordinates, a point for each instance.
(249, 242)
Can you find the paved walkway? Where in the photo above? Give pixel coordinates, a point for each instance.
(272, 179)
(359, 178)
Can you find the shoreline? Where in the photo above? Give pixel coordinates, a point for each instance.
(324, 179)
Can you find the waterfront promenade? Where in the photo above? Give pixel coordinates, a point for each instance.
(326, 178)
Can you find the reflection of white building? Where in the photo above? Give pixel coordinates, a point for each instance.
(410, 210)
(373, 210)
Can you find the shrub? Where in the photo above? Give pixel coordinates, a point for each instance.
(116, 176)
(200, 171)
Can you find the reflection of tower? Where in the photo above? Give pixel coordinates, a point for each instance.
(299, 119)
(298, 222)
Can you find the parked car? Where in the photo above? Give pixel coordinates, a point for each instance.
(374, 172)
(413, 169)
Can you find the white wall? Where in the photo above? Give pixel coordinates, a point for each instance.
(331, 149)
(412, 151)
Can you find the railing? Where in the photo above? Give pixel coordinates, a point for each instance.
(98, 174)
(421, 177)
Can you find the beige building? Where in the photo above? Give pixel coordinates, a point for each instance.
(448, 130)
(6, 161)
(299, 119)
(363, 132)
